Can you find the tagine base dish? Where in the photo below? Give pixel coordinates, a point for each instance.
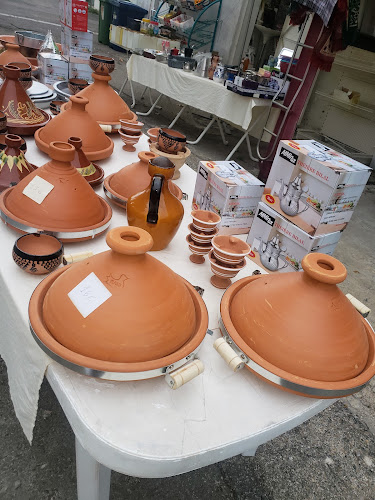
(22, 130)
(281, 378)
(109, 370)
(66, 236)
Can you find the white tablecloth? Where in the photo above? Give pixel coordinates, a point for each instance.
(197, 92)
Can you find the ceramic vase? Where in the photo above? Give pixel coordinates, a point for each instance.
(170, 141)
(90, 171)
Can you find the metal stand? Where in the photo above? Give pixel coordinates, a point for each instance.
(93, 479)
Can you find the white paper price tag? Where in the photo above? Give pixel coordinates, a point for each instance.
(89, 295)
(38, 189)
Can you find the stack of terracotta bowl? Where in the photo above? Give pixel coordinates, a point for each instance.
(130, 132)
(227, 258)
(202, 230)
(172, 145)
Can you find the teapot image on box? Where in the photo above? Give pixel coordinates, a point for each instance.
(290, 196)
(270, 253)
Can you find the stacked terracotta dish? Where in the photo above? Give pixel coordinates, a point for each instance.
(202, 230)
(172, 145)
(227, 258)
(130, 133)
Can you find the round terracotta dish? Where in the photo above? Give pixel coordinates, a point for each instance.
(56, 199)
(171, 141)
(148, 318)
(38, 253)
(299, 332)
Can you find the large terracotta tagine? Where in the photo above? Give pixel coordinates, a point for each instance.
(38, 253)
(13, 164)
(121, 314)
(12, 54)
(298, 331)
(23, 117)
(105, 105)
(133, 179)
(156, 209)
(92, 173)
(76, 122)
(177, 159)
(56, 199)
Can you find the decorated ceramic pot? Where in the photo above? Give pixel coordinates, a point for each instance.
(223, 272)
(13, 164)
(171, 141)
(90, 171)
(102, 65)
(129, 139)
(55, 107)
(38, 253)
(153, 134)
(75, 85)
(25, 77)
(229, 249)
(200, 236)
(198, 250)
(4, 131)
(132, 126)
(205, 220)
(178, 159)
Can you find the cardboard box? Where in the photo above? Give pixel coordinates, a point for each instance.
(229, 190)
(278, 245)
(76, 43)
(74, 14)
(53, 68)
(314, 186)
(79, 68)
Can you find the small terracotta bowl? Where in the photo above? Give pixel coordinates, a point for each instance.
(75, 85)
(129, 140)
(102, 65)
(130, 125)
(153, 134)
(55, 107)
(198, 250)
(205, 220)
(201, 237)
(229, 249)
(223, 272)
(38, 253)
(170, 141)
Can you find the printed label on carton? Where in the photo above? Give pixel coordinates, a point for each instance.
(288, 155)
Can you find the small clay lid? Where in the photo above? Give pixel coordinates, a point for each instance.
(230, 245)
(139, 313)
(300, 327)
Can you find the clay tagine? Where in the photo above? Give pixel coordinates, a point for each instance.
(177, 159)
(77, 122)
(156, 209)
(38, 253)
(23, 117)
(105, 105)
(56, 199)
(4, 131)
(227, 258)
(90, 171)
(143, 317)
(13, 164)
(299, 331)
(25, 76)
(12, 54)
(171, 141)
(133, 179)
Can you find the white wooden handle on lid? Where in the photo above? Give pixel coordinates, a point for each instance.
(230, 356)
(361, 308)
(183, 375)
(106, 128)
(75, 257)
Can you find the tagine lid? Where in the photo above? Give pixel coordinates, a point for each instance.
(230, 245)
(300, 326)
(55, 197)
(12, 54)
(140, 313)
(76, 121)
(105, 105)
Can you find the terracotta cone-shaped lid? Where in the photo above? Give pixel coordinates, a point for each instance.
(23, 117)
(140, 311)
(55, 197)
(133, 179)
(12, 54)
(91, 172)
(105, 105)
(77, 122)
(13, 164)
(300, 323)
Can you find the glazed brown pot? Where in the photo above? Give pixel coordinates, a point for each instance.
(170, 141)
(23, 117)
(300, 331)
(133, 179)
(38, 253)
(13, 164)
(156, 209)
(101, 65)
(12, 54)
(75, 85)
(92, 173)
(57, 199)
(147, 315)
(105, 106)
(76, 122)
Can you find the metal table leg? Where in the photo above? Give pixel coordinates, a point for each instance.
(132, 91)
(152, 107)
(209, 125)
(225, 142)
(177, 116)
(93, 479)
(123, 85)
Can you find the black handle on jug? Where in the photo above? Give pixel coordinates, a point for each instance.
(153, 205)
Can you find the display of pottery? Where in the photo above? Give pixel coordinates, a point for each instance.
(202, 230)
(38, 253)
(76, 121)
(105, 105)
(227, 258)
(75, 85)
(198, 250)
(156, 209)
(153, 134)
(170, 141)
(12, 54)
(177, 159)
(13, 164)
(56, 199)
(133, 179)
(299, 331)
(132, 332)
(129, 139)
(90, 171)
(25, 77)
(4, 131)
(23, 117)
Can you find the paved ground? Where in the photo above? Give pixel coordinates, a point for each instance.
(330, 457)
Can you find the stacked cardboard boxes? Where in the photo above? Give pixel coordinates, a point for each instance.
(308, 200)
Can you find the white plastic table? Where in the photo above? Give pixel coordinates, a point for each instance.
(144, 428)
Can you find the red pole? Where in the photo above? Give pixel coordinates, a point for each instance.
(288, 130)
